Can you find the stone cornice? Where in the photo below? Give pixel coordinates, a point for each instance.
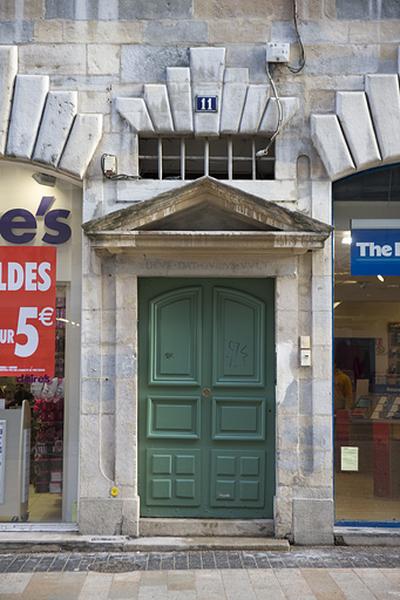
(207, 242)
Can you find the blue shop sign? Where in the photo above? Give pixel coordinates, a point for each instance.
(375, 250)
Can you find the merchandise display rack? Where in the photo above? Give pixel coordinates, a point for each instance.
(48, 422)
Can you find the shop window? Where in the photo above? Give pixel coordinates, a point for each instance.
(190, 158)
(47, 425)
(39, 383)
(367, 346)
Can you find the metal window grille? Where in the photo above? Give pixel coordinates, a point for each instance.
(190, 158)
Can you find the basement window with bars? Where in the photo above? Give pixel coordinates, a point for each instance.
(190, 158)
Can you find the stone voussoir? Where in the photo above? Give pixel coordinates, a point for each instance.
(59, 112)
(156, 98)
(207, 71)
(256, 101)
(180, 96)
(28, 101)
(352, 110)
(234, 95)
(8, 71)
(330, 142)
(82, 142)
(134, 110)
(384, 99)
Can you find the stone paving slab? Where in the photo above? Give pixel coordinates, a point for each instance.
(124, 562)
(248, 584)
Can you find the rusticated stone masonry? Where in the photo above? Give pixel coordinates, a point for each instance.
(359, 135)
(41, 125)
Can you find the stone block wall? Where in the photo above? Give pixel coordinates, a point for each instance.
(100, 50)
(104, 49)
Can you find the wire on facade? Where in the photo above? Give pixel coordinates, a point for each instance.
(302, 59)
(265, 150)
(293, 69)
(100, 413)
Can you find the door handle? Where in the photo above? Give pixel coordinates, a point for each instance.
(206, 392)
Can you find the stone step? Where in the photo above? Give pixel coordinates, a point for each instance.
(367, 536)
(173, 527)
(167, 544)
(73, 542)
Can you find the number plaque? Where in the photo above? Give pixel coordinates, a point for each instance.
(206, 103)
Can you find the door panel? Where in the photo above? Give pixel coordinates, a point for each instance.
(238, 418)
(237, 478)
(238, 334)
(206, 397)
(172, 417)
(175, 350)
(174, 477)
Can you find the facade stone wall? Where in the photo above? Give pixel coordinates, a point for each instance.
(109, 49)
(104, 50)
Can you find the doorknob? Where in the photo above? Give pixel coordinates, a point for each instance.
(206, 392)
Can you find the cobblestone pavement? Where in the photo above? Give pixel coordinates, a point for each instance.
(297, 558)
(217, 584)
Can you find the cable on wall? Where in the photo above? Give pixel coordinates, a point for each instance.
(293, 69)
(265, 150)
(100, 413)
(302, 59)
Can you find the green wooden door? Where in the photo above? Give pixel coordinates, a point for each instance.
(206, 397)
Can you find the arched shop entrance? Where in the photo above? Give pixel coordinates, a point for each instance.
(366, 209)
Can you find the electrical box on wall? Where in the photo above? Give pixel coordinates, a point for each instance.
(305, 358)
(278, 52)
(305, 342)
(305, 351)
(109, 165)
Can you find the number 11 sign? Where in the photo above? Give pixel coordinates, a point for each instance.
(206, 104)
(27, 310)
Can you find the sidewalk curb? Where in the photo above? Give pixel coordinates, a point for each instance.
(53, 542)
(367, 536)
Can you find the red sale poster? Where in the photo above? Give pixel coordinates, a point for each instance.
(27, 310)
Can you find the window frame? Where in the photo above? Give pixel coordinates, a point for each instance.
(187, 153)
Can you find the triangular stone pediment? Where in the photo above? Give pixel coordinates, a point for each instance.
(205, 215)
(205, 204)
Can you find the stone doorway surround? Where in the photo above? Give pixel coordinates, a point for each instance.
(205, 228)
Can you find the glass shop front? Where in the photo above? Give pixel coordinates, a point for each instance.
(367, 347)
(40, 302)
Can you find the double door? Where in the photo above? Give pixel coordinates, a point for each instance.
(206, 397)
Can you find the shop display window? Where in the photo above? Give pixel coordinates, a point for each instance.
(367, 353)
(39, 473)
(46, 401)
